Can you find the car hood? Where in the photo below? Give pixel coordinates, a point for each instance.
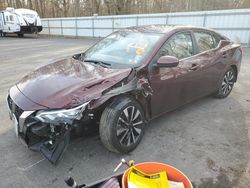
(69, 82)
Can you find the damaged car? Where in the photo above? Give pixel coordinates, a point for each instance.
(121, 83)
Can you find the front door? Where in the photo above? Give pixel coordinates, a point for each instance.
(175, 86)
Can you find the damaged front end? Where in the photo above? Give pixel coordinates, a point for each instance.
(46, 131)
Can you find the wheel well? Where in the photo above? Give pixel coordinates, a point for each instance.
(236, 71)
(100, 109)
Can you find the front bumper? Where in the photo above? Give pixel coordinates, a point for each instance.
(20, 119)
(48, 138)
(38, 136)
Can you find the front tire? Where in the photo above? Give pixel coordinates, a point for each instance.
(122, 125)
(226, 84)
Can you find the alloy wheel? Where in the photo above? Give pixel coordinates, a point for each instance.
(228, 82)
(129, 126)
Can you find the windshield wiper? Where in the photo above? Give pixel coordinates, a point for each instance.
(101, 63)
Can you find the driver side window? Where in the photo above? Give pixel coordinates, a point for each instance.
(180, 46)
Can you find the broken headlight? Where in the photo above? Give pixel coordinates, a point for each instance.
(59, 116)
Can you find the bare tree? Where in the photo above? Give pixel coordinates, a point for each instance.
(66, 8)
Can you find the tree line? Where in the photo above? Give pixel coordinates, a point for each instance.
(73, 8)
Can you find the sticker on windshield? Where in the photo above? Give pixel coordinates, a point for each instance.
(140, 51)
(138, 48)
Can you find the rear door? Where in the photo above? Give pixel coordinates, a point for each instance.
(175, 86)
(210, 59)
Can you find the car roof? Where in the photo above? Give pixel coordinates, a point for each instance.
(161, 28)
(166, 29)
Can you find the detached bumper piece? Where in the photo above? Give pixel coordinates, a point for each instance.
(54, 151)
(50, 140)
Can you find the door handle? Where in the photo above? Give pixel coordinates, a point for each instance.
(194, 67)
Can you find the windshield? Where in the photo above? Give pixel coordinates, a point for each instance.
(122, 49)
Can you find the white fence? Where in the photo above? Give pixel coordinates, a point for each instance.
(234, 23)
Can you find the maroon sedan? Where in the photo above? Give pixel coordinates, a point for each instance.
(122, 82)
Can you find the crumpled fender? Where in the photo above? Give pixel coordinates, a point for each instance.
(131, 84)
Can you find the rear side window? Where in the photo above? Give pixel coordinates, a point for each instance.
(205, 41)
(180, 46)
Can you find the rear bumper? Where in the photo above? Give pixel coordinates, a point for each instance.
(30, 29)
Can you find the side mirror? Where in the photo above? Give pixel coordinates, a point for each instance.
(79, 56)
(167, 61)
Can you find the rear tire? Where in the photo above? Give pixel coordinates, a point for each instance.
(122, 125)
(226, 84)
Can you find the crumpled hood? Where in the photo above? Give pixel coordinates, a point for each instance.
(69, 82)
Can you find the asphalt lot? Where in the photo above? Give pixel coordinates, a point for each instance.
(209, 140)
